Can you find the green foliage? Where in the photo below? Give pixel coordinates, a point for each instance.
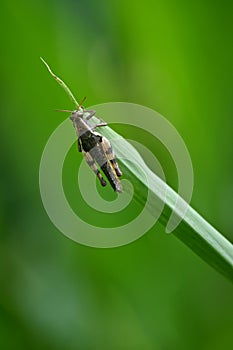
(174, 57)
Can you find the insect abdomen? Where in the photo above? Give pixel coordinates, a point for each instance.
(111, 176)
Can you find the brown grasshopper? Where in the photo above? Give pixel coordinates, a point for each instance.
(96, 148)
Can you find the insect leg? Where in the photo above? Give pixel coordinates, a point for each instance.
(99, 125)
(79, 145)
(109, 152)
(90, 161)
(102, 121)
(92, 113)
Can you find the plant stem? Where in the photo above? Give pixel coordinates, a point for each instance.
(61, 82)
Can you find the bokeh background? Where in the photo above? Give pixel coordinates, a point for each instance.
(173, 56)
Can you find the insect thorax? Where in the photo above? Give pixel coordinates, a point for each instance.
(89, 140)
(80, 125)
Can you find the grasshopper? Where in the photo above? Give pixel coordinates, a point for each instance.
(95, 148)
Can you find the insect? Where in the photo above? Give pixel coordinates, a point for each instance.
(95, 148)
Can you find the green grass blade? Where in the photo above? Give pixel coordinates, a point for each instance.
(61, 83)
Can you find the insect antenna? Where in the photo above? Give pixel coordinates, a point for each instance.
(81, 103)
(65, 87)
(63, 110)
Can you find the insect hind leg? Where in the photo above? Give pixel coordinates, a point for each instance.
(90, 161)
(111, 156)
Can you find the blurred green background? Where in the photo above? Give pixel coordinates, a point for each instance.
(173, 56)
